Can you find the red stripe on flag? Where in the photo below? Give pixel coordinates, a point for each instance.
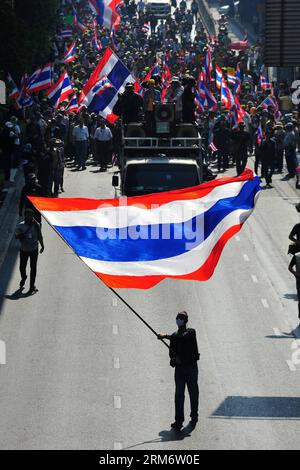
(147, 282)
(147, 202)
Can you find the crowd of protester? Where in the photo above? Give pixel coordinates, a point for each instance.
(43, 141)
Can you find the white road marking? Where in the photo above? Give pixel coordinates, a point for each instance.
(254, 279)
(114, 302)
(117, 402)
(277, 332)
(116, 363)
(265, 303)
(115, 329)
(246, 257)
(118, 446)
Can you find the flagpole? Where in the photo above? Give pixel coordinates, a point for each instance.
(133, 311)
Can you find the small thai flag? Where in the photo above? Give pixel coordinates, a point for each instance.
(70, 54)
(66, 34)
(264, 84)
(213, 147)
(231, 79)
(15, 90)
(146, 28)
(60, 90)
(219, 77)
(259, 135)
(73, 106)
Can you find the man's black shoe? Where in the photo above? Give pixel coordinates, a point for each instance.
(33, 289)
(176, 425)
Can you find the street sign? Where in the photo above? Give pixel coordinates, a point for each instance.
(2, 92)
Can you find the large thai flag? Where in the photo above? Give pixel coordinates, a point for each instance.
(60, 90)
(41, 79)
(143, 240)
(112, 67)
(70, 54)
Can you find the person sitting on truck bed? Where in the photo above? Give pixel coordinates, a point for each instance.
(188, 100)
(151, 96)
(174, 95)
(129, 105)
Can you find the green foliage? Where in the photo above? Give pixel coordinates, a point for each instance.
(26, 28)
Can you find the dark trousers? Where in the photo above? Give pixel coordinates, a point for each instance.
(268, 171)
(298, 292)
(223, 160)
(103, 153)
(279, 160)
(186, 375)
(33, 256)
(241, 162)
(291, 162)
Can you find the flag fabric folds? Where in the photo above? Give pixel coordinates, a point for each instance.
(140, 241)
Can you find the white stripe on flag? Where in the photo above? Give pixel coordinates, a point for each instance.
(183, 264)
(125, 216)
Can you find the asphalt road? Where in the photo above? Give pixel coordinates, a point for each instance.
(83, 373)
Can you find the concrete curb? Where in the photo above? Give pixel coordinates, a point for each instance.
(9, 215)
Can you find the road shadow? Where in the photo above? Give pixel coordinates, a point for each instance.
(276, 408)
(167, 436)
(7, 269)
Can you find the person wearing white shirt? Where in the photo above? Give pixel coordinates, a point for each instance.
(80, 139)
(103, 138)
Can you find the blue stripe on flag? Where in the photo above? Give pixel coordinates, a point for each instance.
(114, 244)
(118, 75)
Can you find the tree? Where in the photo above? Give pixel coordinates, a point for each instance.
(26, 29)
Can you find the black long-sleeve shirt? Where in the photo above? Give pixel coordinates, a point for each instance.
(184, 347)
